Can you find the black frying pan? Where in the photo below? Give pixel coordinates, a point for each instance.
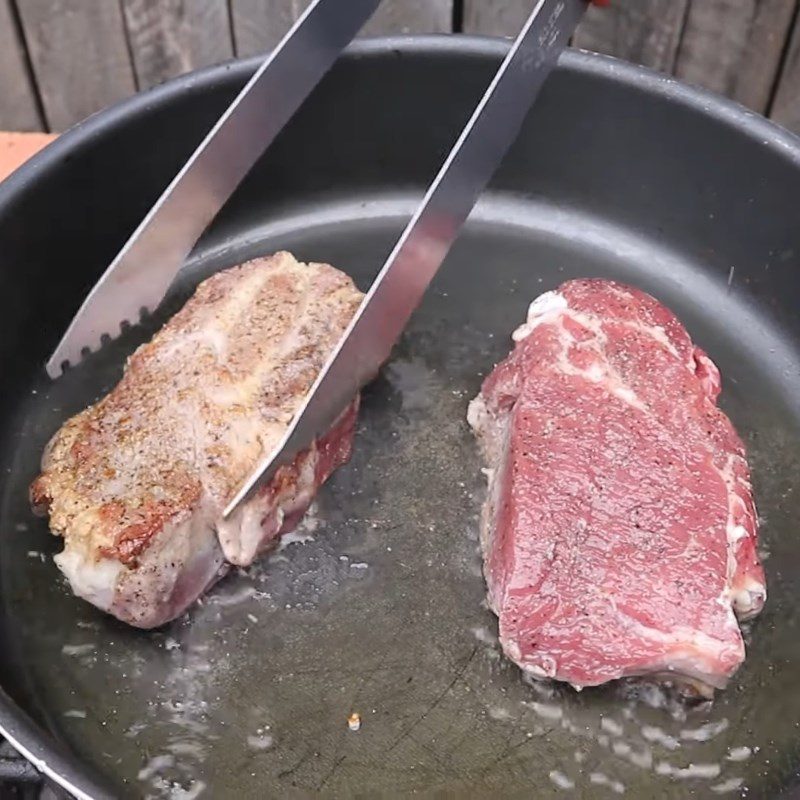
(618, 173)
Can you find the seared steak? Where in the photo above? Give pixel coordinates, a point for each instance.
(136, 484)
(619, 534)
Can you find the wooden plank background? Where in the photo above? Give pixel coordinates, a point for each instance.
(61, 60)
(169, 37)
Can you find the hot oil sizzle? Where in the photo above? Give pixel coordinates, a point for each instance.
(375, 606)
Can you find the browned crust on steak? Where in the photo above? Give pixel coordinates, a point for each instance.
(196, 407)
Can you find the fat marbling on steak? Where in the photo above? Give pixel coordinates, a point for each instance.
(137, 483)
(619, 533)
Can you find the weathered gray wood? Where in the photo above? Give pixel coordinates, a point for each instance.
(643, 31)
(495, 17)
(18, 111)
(169, 37)
(411, 16)
(258, 25)
(786, 107)
(761, 63)
(734, 47)
(79, 54)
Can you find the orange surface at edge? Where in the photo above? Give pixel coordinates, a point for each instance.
(16, 148)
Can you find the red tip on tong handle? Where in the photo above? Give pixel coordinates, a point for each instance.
(601, 2)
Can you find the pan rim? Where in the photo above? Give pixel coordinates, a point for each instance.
(721, 109)
(39, 746)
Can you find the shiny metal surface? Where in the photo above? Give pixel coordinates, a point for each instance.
(140, 275)
(421, 248)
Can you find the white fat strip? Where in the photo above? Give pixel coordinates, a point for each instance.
(188, 547)
(493, 434)
(244, 535)
(748, 597)
(94, 579)
(545, 306)
(599, 372)
(657, 332)
(548, 306)
(690, 639)
(478, 415)
(744, 598)
(602, 375)
(737, 532)
(689, 650)
(595, 373)
(628, 396)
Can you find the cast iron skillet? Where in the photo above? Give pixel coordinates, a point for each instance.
(618, 173)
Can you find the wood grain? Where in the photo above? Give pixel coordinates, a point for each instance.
(169, 37)
(79, 55)
(495, 17)
(760, 66)
(734, 47)
(411, 16)
(643, 31)
(786, 106)
(18, 109)
(258, 25)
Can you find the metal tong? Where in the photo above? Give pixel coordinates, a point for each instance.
(139, 277)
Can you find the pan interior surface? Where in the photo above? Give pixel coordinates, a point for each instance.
(376, 604)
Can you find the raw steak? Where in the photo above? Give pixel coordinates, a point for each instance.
(137, 483)
(619, 533)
